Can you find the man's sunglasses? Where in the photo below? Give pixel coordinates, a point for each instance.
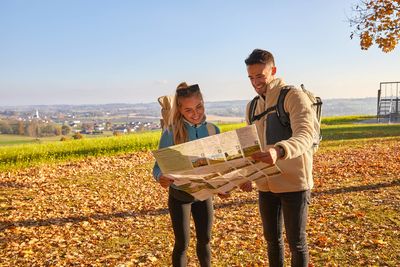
(188, 90)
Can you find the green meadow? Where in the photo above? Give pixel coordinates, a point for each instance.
(52, 150)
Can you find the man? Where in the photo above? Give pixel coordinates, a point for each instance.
(284, 197)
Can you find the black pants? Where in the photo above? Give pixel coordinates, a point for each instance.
(202, 212)
(293, 209)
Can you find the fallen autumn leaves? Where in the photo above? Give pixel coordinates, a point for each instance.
(109, 211)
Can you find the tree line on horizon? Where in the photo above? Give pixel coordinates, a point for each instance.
(34, 128)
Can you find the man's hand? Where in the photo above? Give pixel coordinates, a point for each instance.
(270, 156)
(165, 181)
(246, 187)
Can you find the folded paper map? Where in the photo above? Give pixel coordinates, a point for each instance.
(214, 164)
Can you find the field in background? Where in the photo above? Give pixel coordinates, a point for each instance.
(50, 150)
(12, 139)
(225, 122)
(46, 152)
(347, 119)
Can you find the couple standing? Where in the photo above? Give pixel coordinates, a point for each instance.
(281, 198)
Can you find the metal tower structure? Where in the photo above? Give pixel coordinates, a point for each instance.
(388, 106)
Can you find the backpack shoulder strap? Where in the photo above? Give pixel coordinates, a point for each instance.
(280, 108)
(252, 109)
(211, 128)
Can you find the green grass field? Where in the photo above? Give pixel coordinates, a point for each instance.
(7, 139)
(12, 139)
(336, 120)
(31, 154)
(51, 150)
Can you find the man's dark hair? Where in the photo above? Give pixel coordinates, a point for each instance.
(259, 56)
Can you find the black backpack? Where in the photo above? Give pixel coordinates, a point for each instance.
(283, 116)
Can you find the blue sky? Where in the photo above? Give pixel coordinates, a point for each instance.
(93, 51)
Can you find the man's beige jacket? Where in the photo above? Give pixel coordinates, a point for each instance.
(296, 165)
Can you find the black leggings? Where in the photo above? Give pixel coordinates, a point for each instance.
(202, 212)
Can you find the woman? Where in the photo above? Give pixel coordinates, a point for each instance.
(187, 122)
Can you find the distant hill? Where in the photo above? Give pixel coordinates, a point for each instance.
(330, 107)
(350, 106)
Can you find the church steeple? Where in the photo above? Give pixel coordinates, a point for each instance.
(36, 116)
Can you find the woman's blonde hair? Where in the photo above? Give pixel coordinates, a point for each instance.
(176, 122)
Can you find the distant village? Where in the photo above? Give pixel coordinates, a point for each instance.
(50, 120)
(37, 124)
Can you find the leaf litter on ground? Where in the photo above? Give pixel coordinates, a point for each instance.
(109, 211)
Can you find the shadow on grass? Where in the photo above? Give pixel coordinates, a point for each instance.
(129, 214)
(351, 189)
(12, 185)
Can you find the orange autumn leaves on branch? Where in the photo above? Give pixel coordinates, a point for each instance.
(377, 21)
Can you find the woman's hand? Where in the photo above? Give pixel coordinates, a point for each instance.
(165, 181)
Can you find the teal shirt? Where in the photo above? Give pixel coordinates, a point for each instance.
(194, 132)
